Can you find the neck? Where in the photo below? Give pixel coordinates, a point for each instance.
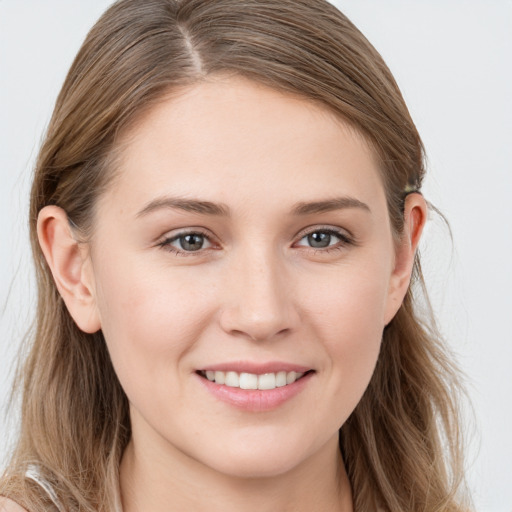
(170, 482)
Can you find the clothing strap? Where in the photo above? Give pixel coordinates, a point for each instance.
(34, 474)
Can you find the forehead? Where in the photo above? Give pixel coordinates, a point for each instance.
(228, 138)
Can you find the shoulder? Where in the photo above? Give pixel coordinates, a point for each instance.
(7, 505)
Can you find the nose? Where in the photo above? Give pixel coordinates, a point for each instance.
(260, 303)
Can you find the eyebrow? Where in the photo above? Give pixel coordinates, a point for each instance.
(339, 203)
(188, 205)
(219, 209)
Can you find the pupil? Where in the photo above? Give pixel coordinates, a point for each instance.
(319, 239)
(191, 242)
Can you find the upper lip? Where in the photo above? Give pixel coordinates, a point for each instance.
(257, 368)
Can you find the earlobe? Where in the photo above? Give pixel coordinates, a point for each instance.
(69, 266)
(415, 217)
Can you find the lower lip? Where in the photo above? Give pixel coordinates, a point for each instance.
(255, 400)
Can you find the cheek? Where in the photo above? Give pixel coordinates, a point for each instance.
(348, 303)
(150, 321)
(348, 318)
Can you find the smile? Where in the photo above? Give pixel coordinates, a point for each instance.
(254, 387)
(243, 380)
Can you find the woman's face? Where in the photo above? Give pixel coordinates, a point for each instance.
(245, 238)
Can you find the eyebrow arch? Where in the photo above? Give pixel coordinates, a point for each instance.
(188, 205)
(219, 209)
(329, 205)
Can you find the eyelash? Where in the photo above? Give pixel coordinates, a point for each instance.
(166, 243)
(344, 240)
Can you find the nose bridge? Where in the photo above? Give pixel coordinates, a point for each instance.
(260, 303)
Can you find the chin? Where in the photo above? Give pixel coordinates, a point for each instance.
(268, 458)
(256, 467)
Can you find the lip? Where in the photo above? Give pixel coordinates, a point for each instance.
(255, 367)
(256, 400)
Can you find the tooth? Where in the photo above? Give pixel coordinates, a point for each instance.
(290, 377)
(232, 380)
(280, 379)
(245, 380)
(267, 381)
(248, 381)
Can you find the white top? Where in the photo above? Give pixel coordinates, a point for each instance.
(34, 474)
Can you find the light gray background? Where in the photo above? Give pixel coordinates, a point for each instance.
(451, 59)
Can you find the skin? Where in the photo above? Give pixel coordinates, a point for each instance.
(7, 505)
(256, 291)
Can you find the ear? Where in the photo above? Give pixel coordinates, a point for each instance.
(70, 267)
(415, 217)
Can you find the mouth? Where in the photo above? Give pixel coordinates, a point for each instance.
(251, 381)
(255, 386)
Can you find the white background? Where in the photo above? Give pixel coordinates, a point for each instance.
(452, 60)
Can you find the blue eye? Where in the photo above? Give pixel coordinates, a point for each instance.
(319, 239)
(186, 243)
(191, 242)
(323, 239)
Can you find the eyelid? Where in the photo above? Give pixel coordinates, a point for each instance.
(166, 240)
(341, 233)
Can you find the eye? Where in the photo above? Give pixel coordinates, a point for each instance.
(324, 239)
(186, 242)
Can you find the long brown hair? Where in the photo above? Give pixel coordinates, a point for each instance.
(402, 443)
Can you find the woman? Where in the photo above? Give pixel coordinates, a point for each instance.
(224, 217)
